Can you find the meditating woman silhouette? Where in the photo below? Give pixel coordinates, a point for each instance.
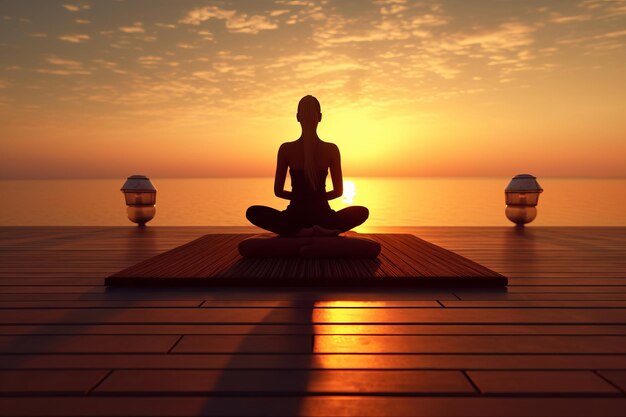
(308, 160)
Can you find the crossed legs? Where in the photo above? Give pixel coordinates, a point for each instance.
(281, 223)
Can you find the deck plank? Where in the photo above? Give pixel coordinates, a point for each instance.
(294, 382)
(315, 315)
(320, 406)
(534, 304)
(612, 364)
(404, 344)
(541, 383)
(48, 382)
(87, 344)
(317, 329)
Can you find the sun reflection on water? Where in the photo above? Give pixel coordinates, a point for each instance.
(349, 192)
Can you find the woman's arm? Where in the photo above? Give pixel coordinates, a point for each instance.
(281, 175)
(336, 175)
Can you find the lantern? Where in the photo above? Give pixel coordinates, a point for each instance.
(522, 196)
(140, 197)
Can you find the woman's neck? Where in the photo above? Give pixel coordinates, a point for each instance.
(309, 134)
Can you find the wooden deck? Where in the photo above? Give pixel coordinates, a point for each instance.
(553, 343)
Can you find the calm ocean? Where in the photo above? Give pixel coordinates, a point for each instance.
(392, 201)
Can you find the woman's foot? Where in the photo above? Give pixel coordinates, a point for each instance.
(305, 232)
(322, 231)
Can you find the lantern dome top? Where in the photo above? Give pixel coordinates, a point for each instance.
(138, 183)
(523, 183)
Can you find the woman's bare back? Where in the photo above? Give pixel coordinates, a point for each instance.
(291, 155)
(326, 154)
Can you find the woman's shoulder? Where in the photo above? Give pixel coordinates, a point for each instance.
(326, 143)
(330, 146)
(286, 146)
(290, 144)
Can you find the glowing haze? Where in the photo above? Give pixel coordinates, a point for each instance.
(192, 89)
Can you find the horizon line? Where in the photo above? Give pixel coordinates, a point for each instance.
(345, 177)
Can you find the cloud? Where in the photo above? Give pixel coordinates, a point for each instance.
(507, 36)
(429, 20)
(183, 45)
(149, 60)
(63, 67)
(227, 55)
(557, 18)
(61, 72)
(165, 25)
(340, 30)
(609, 35)
(252, 25)
(584, 40)
(294, 2)
(442, 68)
(275, 13)
(204, 75)
(199, 15)
(74, 38)
(137, 27)
(206, 35)
(237, 70)
(371, 36)
(237, 23)
(315, 69)
(76, 7)
(293, 60)
(605, 47)
(82, 21)
(610, 7)
(110, 65)
(64, 62)
(396, 21)
(392, 9)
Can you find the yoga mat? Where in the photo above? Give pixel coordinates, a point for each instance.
(213, 260)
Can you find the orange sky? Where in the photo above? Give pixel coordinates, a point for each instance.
(193, 89)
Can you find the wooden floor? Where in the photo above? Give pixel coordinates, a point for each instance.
(552, 343)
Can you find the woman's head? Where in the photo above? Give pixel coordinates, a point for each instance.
(309, 111)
